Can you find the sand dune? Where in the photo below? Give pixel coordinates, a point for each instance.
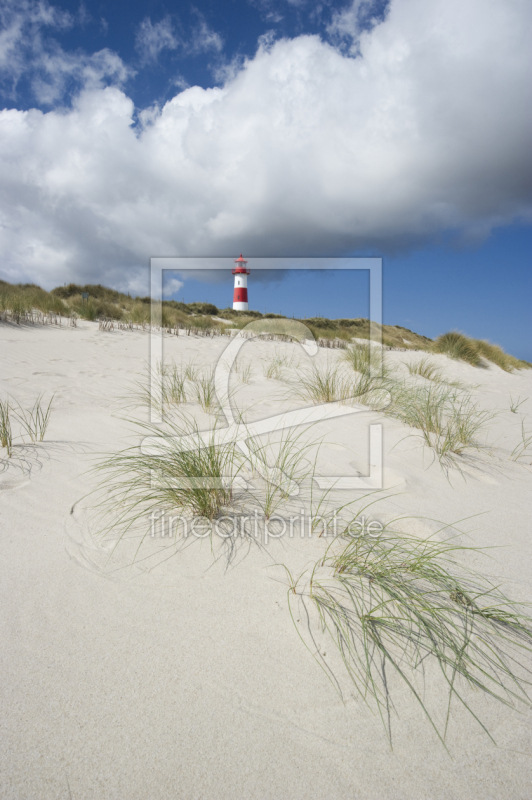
(184, 676)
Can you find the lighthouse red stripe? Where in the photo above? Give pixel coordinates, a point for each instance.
(240, 296)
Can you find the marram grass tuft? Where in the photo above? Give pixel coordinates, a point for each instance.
(397, 605)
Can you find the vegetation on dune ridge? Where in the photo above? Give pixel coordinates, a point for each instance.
(104, 303)
(461, 347)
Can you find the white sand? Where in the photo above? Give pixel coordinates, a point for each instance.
(190, 681)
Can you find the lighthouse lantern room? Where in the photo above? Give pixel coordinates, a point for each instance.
(240, 294)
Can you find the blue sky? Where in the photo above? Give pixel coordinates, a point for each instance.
(278, 128)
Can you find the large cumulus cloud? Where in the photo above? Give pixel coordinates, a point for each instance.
(305, 150)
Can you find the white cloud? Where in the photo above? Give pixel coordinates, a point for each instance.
(27, 49)
(153, 39)
(348, 23)
(268, 10)
(204, 39)
(172, 286)
(21, 23)
(57, 69)
(304, 150)
(272, 10)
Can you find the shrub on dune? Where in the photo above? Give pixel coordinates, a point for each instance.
(139, 314)
(456, 345)
(495, 354)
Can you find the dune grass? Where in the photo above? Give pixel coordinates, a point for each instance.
(194, 474)
(345, 330)
(139, 314)
(363, 358)
(6, 435)
(102, 303)
(273, 369)
(15, 302)
(461, 432)
(205, 393)
(246, 374)
(190, 473)
(244, 371)
(321, 384)
(475, 351)
(282, 463)
(516, 404)
(495, 354)
(34, 421)
(444, 412)
(524, 448)
(185, 474)
(397, 605)
(448, 419)
(458, 346)
(372, 375)
(23, 298)
(425, 369)
(87, 310)
(174, 386)
(191, 370)
(329, 383)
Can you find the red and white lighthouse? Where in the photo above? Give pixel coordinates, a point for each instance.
(240, 294)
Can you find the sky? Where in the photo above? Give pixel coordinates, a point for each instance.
(391, 128)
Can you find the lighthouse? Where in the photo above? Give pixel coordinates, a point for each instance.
(240, 294)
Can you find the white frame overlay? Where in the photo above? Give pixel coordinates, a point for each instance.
(239, 432)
